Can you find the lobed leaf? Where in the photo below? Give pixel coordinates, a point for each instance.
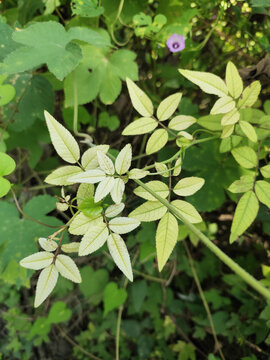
(168, 106)
(67, 268)
(45, 284)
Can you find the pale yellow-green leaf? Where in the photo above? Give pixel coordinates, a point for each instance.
(188, 186)
(70, 247)
(185, 134)
(243, 185)
(117, 190)
(233, 80)
(81, 224)
(181, 122)
(104, 188)
(168, 106)
(123, 225)
(245, 213)
(63, 142)
(46, 282)
(250, 95)
(159, 187)
(245, 156)
(47, 244)
(262, 190)
(94, 239)
(227, 131)
(223, 105)
(85, 191)
(61, 175)
(149, 211)
(89, 157)
(67, 268)
(162, 169)
(88, 177)
(105, 163)
(265, 170)
(143, 125)
(230, 118)
(114, 210)
(139, 99)
(120, 255)
(38, 260)
(187, 210)
(123, 160)
(166, 238)
(209, 83)
(248, 130)
(177, 167)
(137, 173)
(61, 206)
(156, 141)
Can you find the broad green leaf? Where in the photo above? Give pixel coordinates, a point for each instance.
(47, 244)
(143, 125)
(211, 122)
(137, 173)
(89, 157)
(85, 191)
(113, 297)
(166, 238)
(223, 105)
(81, 224)
(7, 91)
(4, 186)
(149, 211)
(67, 268)
(168, 106)
(70, 247)
(61, 175)
(38, 260)
(158, 187)
(181, 122)
(114, 210)
(227, 131)
(209, 83)
(230, 118)
(245, 156)
(265, 170)
(262, 190)
(88, 177)
(120, 255)
(250, 95)
(7, 164)
(86, 8)
(162, 169)
(139, 99)
(117, 190)
(156, 141)
(123, 225)
(248, 130)
(123, 160)
(245, 213)
(233, 80)
(188, 211)
(45, 284)
(188, 186)
(245, 184)
(105, 163)
(63, 142)
(93, 283)
(104, 188)
(93, 239)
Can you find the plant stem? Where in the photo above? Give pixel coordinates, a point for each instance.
(219, 253)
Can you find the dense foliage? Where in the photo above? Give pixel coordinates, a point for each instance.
(115, 119)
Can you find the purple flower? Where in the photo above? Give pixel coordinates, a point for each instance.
(176, 43)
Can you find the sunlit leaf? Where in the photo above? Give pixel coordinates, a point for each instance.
(250, 95)
(38, 260)
(168, 106)
(223, 105)
(70, 247)
(85, 191)
(243, 185)
(67, 268)
(262, 190)
(143, 125)
(187, 210)
(230, 118)
(89, 157)
(265, 170)
(45, 284)
(245, 156)
(139, 99)
(81, 224)
(114, 210)
(61, 175)
(188, 186)
(105, 163)
(117, 190)
(248, 130)
(93, 239)
(233, 80)
(47, 244)
(158, 187)
(88, 177)
(104, 188)
(149, 211)
(181, 122)
(123, 160)
(123, 225)
(137, 173)
(156, 141)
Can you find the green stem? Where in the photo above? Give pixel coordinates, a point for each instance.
(207, 242)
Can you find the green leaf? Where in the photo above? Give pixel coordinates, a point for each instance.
(149, 211)
(7, 44)
(250, 95)
(245, 213)
(90, 208)
(223, 105)
(84, 191)
(245, 156)
(210, 122)
(181, 122)
(248, 130)
(139, 99)
(138, 294)
(188, 211)
(143, 125)
(227, 131)
(265, 171)
(4, 186)
(156, 141)
(230, 118)
(262, 190)
(166, 238)
(7, 164)
(60, 176)
(209, 83)
(110, 122)
(59, 313)
(93, 282)
(243, 185)
(168, 106)
(157, 186)
(7, 91)
(188, 186)
(86, 8)
(113, 297)
(233, 80)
